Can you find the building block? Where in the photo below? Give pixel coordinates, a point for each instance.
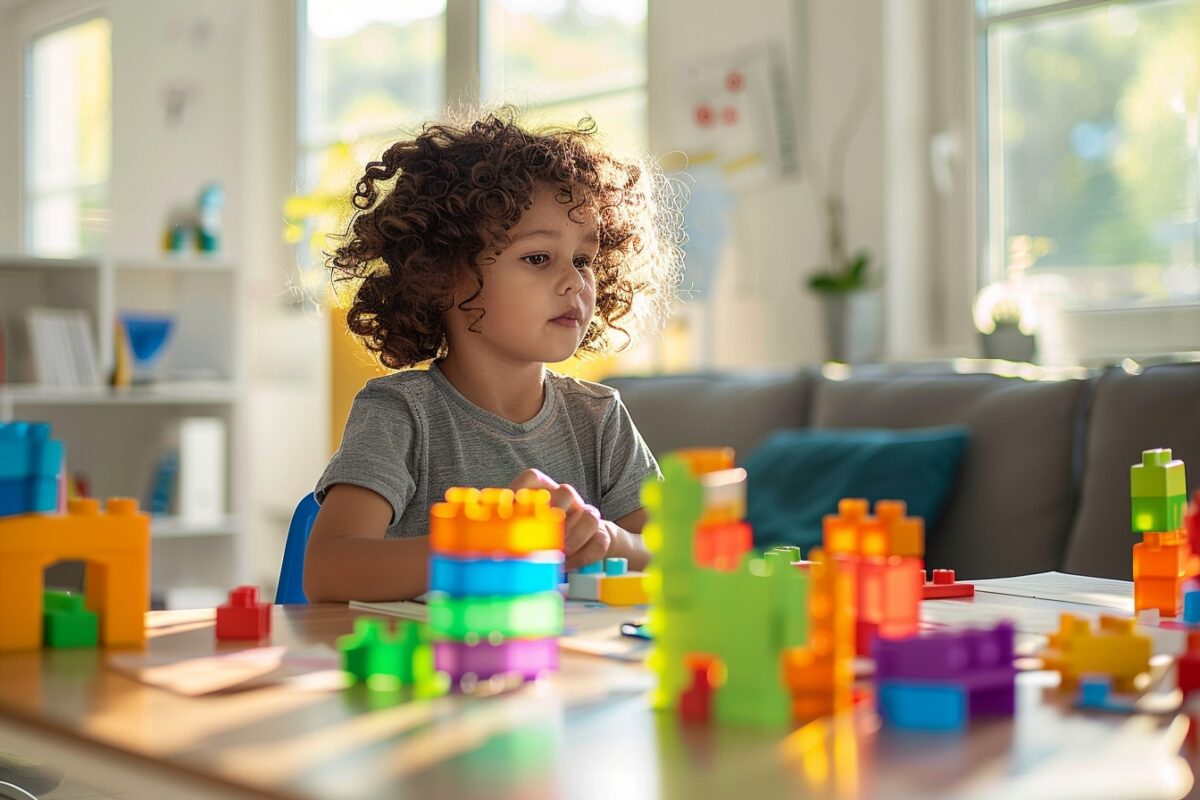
(624, 590)
(943, 586)
(897, 533)
(66, 623)
(595, 568)
(116, 546)
(582, 586)
(526, 657)
(31, 465)
(820, 675)
(1154, 558)
(1148, 514)
(382, 659)
(495, 576)
(695, 704)
(724, 496)
(1191, 607)
(495, 521)
(1095, 694)
(1159, 475)
(1162, 594)
(923, 707)
(888, 602)
(517, 616)
(721, 545)
(1191, 523)
(1115, 648)
(1188, 665)
(616, 566)
(243, 617)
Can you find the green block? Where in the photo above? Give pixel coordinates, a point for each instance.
(372, 650)
(1157, 514)
(461, 618)
(791, 551)
(66, 622)
(1158, 475)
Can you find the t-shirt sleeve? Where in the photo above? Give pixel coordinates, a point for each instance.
(625, 462)
(377, 451)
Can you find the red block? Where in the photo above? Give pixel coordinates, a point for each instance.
(721, 545)
(695, 703)
(1189, 666)
(943, 586)
(243, 617)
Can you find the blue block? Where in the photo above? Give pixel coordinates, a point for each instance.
(26, 450)
(1191, 606)
(616, 566)
(463, 577)
(595, 568)
(28, 495)
(923, 706)
(1094, 692)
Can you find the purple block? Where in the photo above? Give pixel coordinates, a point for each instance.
(528, 657)
(945, 655)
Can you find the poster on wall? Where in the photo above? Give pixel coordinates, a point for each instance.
(734, 111)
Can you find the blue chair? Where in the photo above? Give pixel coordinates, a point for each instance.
(291, 571)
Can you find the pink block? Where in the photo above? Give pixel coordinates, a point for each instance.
(528, 657)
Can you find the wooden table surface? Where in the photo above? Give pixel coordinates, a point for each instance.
(586, 732)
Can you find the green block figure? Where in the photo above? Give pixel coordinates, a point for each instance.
(1157, 492)
(376, 657)
(66, 622)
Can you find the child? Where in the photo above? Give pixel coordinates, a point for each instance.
(493, 251)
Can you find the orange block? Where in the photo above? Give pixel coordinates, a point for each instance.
(496, 521)
(1153, 560)
(1164, 594)
(721, 546)
(702, 460)
(116, 546)
(820, 675)
(903, 535)
(842, 531)
(889, 593)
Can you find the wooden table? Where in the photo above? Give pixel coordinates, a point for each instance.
(587, 732)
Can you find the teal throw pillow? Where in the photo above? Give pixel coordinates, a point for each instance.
(796, 477)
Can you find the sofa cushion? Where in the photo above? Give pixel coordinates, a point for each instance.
(798, 476)
(713, 410)
(1129, 414)
(1010, 511)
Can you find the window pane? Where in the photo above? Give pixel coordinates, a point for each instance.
(620, 118)
(69, 137)
(371, 65)
(1093, 136)
(537, 52)
(996, 7)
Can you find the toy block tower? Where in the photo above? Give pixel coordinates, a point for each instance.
(31, 466)
(115, 544)
(495, 559)
(882, 555)
(820, 675)
(1161, 561)
(719, 629)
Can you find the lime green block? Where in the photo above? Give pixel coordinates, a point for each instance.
(372, 650)
(66, 622)
(530, 615)
(1158, 475)
(791, 551)
(1157, 514)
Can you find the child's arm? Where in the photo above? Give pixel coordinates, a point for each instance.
(625, 537)
(348, 557)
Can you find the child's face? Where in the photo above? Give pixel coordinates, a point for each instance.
(539, 293)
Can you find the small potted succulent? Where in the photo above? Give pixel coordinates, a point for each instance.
(1006, 320)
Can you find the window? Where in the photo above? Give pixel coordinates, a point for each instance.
(68, 138)
(1092, 142)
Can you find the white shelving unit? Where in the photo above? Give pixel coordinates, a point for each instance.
(116, 435)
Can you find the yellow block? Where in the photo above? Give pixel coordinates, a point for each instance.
(624, 590)
(116, 546)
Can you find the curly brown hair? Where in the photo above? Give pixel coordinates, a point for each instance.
(455, 192)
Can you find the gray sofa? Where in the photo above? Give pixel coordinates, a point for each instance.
(1044, 484)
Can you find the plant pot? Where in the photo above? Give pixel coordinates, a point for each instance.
(1007, 342)
(853, 325)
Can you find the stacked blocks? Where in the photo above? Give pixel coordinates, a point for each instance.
(115, 544)
(494, 607)
(609, 582)
(820, 675)
(943, 586)
(1115, 648)
(243, 617)
(1163, 559)
(719, 635)
(31, 465)
(883, 554)
(939, 681)
(1188, 666)
(383, 659)
(65, 621)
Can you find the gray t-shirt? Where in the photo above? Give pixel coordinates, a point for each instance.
(411, 435)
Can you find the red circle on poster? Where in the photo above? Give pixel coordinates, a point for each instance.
(704, 115)
(729, 114)
(734, 81)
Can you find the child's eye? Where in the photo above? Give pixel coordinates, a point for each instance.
(582, 262)
(537, 259)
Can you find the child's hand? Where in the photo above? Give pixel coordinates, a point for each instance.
(586, 538)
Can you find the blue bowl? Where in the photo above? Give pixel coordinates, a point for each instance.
(147, 334)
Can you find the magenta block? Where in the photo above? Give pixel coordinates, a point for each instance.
(528, 657)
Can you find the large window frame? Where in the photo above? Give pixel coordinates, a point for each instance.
(34, 23)
(990, 199)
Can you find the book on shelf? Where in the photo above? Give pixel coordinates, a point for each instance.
(62, 348)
